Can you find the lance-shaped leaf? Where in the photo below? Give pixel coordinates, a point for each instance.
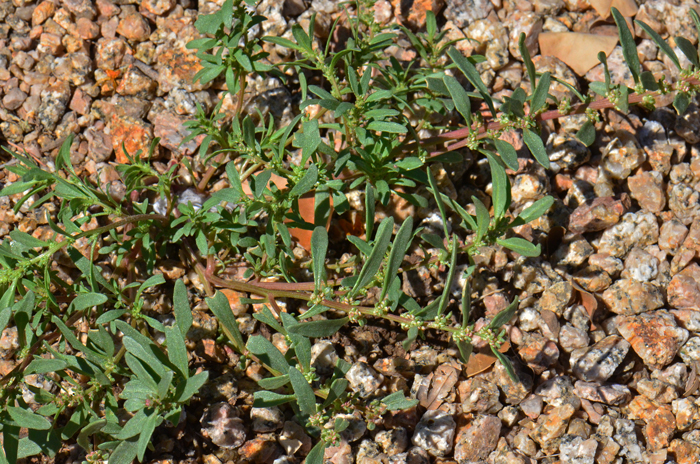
(629, 48)
(397, 401)
(268, 353)
(319, 247)
(520, 246)
(460, 98)
(505, 315)
(472, 76)
(465, 350)
(268, 399)
(374, 261)
(661, 43)
(533, 211)
(304, 393)
(501, 186)
(316, 454)
(318, 329)
(536, 146)
(506, 364)
(539, 98)
(222, 310)
(438, 199)
(586, 134)
(688, 50)
(508, 153)
(398, 250)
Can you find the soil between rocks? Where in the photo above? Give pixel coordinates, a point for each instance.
(617, 383)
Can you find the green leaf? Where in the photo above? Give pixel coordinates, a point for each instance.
(281, 41)
(629, 47)
(508, 153)
(27, 419)
(125, 452)
(319, 248)
(504, 316)
(219, 305)
(397, 401)
(529, 65)
(506, 364)
(177, 351)
(445, 297)
(465, 350)
(5, 315)
(265, 316)
(472, 76)
(336, 391)
(398, 251)
(304, 393)
(648, 81)
(586, 134)
(374, 261)
(438, 200)
(181, 307)
(88, 300)
(411, 336)
(273, 383)
(598, 87)
(92, 428)
(316, 454)
(661, 43)
(318, 329)
(15, 188)
(302, 38)
(539, 98)
(534, 211)
(185, 390)
(26, 239)
(501, 186)
(268, 399)
(369, 211)
(148, 427)
(306, 183)
(234, 178)
(681, 102)
(435, 240)
(521, 246)
(139, 351)
(386, 126)
(44, 366)
(623, 102)
(268, 353)
(536, 146)
(482, 219)
(688, 50)
(460, 98)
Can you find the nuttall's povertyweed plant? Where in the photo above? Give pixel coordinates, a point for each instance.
(117, 372)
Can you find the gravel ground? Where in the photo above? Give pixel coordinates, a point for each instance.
(606, 341)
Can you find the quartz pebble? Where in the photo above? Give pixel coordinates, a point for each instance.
(477, 439)
(598, 362)
(654, 336)
(222, 426)
(363, 379)
(435, 432)
(684, 289)
(608, 394)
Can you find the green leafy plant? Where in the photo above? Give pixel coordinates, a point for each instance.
(118, 371)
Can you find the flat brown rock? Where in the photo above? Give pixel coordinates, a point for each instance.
(598, 214)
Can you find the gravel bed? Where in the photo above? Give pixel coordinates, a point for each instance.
(607, 338)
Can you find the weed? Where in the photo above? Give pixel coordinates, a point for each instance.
(119, 372)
